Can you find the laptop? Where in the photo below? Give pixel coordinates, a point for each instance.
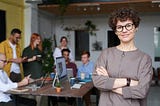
(38, 83)
(70, 72)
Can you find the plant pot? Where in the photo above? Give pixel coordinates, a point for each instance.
(58, 89)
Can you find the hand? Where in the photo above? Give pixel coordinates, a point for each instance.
(34, 58)
(25, 81)
(134, 83)
(101, 71)
(24, 59)
(118, 91)
(31, 80)
(17, 60)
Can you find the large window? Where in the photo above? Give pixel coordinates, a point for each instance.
(113, 40)
(157, 43)
(81, 43)
(2, 25)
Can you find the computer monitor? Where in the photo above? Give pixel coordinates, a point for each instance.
(61, 69)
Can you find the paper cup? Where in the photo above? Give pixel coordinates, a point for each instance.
(82, 75)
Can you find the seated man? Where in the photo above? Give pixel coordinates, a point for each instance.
(69, 64)
(6, 84)
(86, 68)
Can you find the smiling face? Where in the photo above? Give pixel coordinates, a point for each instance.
(85, 58)
(37, 41)
(64, 43)
(125, 31)
(15, 38)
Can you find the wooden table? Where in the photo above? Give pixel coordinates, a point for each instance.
(48, 90)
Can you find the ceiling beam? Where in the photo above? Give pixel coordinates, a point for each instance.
(93, 8)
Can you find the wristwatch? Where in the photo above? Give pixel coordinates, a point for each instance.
(128, 81)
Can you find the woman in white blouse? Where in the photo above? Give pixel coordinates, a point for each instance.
(63, 45)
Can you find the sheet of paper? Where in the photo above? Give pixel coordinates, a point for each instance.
(19, 90)
(76, 86)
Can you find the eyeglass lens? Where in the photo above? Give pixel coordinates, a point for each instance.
(5, 61)
(127, 27)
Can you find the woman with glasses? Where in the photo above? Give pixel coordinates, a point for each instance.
(123, 73)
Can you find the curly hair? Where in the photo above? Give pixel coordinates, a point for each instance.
(123, 14)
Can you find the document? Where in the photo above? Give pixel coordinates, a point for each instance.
(19, 90)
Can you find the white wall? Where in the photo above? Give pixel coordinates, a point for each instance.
(37, 21)
(46, 23)
(49, 24)
(27, 23)
(144, 36)
(78, 22)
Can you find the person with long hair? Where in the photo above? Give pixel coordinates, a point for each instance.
(123, 74)
(34, 54)
(63, 45)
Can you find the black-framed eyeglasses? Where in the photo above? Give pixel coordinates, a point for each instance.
(128, 27)
(4, 61)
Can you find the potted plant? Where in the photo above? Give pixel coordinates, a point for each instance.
(58, 87)
(48, 61)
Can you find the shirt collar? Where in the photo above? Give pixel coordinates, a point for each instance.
(12, 46)
(86, 63)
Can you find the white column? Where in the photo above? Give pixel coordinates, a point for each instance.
(30, 22)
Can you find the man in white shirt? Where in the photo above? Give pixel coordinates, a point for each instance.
(6, 84)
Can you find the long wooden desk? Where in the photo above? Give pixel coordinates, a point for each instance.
(48, 90)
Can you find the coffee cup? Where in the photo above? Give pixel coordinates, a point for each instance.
(34, 87)
(72, 81)
(90, 76)
(52, 75)
(82, 75)
(38, 57)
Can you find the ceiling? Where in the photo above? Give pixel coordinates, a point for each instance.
(94, 8)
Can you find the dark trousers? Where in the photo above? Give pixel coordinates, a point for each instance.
(15, 77)
(25, 101)
(54, 100)
(10, 103)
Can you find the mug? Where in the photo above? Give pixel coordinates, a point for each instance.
(90, 76)
(34, 87)
(38, 57)
(52, 75)
(72, 81)
(82, 75)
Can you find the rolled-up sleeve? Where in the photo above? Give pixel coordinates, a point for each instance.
(1, 48)
(103, 83)
(7, 86)
(145, 76)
